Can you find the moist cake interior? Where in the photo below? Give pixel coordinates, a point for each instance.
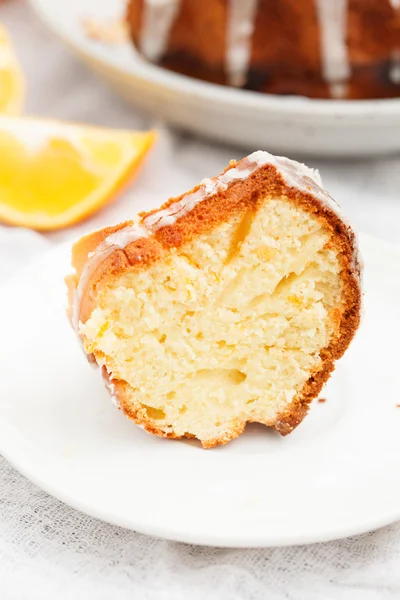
(225, 329)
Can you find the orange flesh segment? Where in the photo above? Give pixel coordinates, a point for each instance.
(55, 174)
(11, 78)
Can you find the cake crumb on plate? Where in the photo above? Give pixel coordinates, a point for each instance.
(112, 32)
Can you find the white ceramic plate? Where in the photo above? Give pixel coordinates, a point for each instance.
(337, 474)
(279, 124)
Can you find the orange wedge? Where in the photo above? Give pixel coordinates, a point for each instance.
(11, 79)
(54, 174)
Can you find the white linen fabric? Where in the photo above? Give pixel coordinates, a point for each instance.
(48, 550)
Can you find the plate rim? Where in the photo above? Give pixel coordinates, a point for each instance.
(9, 439)
(206, 540)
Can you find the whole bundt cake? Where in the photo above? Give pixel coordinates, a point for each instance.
(316, 48)
(229, 304)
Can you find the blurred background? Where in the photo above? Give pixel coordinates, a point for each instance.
(59, 86)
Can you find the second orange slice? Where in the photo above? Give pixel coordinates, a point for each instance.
(54, 174)
(11, 78)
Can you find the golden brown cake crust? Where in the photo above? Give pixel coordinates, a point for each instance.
(240, 196)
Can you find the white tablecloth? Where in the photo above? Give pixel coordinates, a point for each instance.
(49, 551)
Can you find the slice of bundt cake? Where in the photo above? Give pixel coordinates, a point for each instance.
(230, 304)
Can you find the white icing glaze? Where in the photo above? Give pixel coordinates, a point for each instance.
(294, 174)
(332, 15)
(118, 240)
(241, 21)
(158, 19)
(394, 71)
(110, 387)
(208, 187)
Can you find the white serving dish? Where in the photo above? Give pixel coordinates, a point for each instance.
(286, 125)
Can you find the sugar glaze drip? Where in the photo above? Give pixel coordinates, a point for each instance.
(294, 174)
(332, 16)
(394, 71)
(158, 19)
(116, 241)
(241, 21)
(208, 187)
(110, 386)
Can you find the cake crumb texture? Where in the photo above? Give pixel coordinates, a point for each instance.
(233, 313)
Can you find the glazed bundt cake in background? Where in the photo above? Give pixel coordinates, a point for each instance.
(228, 305)
(316, 48)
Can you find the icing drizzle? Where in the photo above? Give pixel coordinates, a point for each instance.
(157, 22)
(295, 175)
(116, 241)
(241, 21)
(110, 387)
(159, 17)
(394, 71)
(332, 15)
